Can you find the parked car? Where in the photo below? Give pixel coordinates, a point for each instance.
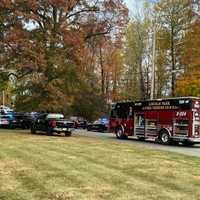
(81, 123)
(24, 120)
(53, 123)
(5, 121)
(100, 125)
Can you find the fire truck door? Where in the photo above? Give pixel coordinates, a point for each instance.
(139, 125)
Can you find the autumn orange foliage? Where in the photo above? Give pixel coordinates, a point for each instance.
(189, 83)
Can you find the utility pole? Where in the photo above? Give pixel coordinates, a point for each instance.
(153, 63)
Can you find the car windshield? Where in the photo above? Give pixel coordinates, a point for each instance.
(55, 116)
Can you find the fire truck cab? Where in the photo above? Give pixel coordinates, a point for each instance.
(167, 120)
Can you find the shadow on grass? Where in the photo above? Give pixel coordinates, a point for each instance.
(105, 135)
(149, 141)
(27, 132)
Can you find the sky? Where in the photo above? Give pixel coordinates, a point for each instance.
(128, 2)
(131, 3)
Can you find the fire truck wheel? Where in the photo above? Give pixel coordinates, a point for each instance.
(164, 137)
(120, 133)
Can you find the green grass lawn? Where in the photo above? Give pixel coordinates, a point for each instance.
(75, 168)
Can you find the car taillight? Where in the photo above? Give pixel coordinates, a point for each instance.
(53, 123)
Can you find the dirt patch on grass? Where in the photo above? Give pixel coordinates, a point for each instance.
(6, 170)
(7, 166)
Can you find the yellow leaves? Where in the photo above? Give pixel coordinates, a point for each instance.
(191, 54)
(189, 84)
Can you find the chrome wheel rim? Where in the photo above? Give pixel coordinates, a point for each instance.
(165, 138)
(119, 133)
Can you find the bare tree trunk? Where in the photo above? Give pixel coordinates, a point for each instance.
(142, 84)
(147, 85)
(102, 72)
(153, 64)
(114, 85)
(173, 62)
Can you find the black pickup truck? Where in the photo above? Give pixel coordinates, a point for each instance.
(53, 123)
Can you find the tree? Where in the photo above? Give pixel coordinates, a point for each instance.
(163, 71)
(189, 83)
(110, 65)
(174, 17)
(136, 53)
(89, 104)
(47, 47)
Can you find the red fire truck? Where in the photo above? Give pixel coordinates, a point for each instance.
(166, 120)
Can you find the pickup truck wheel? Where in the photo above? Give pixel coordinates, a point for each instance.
(49, 132)
(68, 133)
(33, 130)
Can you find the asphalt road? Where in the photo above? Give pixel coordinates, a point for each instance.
(191, 151)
